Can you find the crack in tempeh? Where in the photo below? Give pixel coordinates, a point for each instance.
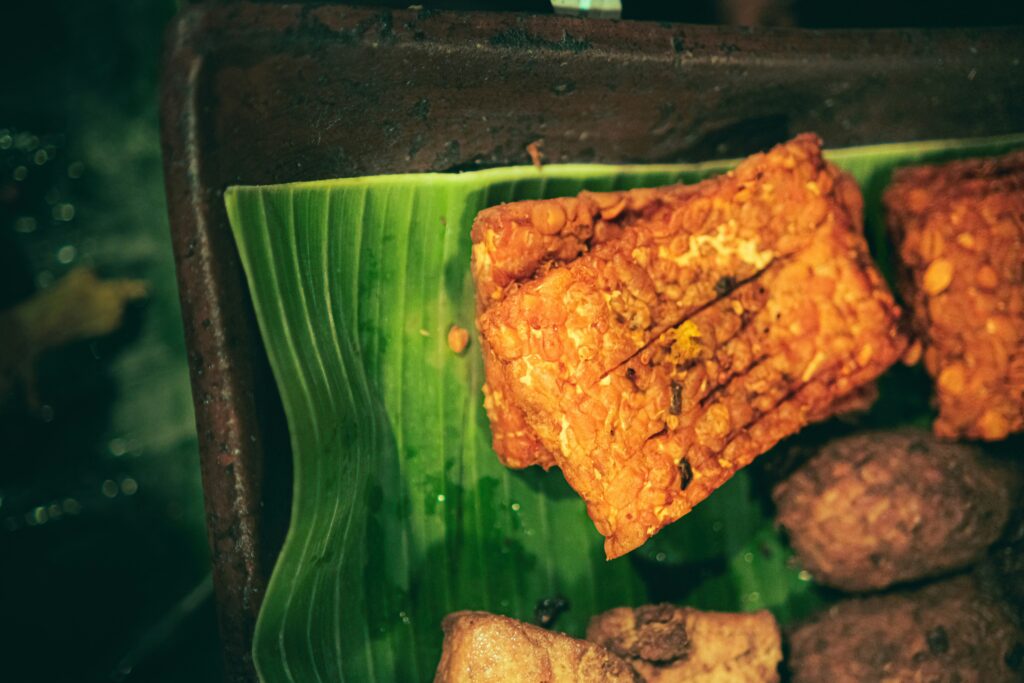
(690, 315)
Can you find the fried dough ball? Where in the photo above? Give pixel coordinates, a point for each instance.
(487, 648)
(952, 631)
(877, 508)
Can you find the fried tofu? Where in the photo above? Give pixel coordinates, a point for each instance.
(487, 648)
(959, 229)
(953, 630)
(669, 644)
(877, 508)
(714, 320)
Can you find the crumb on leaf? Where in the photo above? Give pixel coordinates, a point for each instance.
(458, 339)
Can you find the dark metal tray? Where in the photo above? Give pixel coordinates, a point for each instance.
(271, 93)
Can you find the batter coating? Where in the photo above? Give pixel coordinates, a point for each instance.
(959, 228)
(726, 316)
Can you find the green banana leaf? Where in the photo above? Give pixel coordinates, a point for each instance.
(401, 511)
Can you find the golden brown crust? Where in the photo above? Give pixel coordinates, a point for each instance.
(669, 644)
(959, 228)
(487, 648)
(878, 508)
(728, 315)
(949, 631)
(513, 243)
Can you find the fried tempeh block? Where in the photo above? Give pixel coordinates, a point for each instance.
(487, 648)
(877, 508)
(952, 630)
(513, 243)
(724, 318)
(665, 644)
(959, 228)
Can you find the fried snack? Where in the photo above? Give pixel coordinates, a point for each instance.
(959, 228)
(949, 631)
(513, 243)
(726, 316)
(487, 648)
(666, 644)
(1004, 566)
(878, 508)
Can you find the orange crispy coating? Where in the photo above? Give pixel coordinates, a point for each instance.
(512, 243)
(669, 644)
(959, 228)
(607, 305)
(740, 375)
(727, 316)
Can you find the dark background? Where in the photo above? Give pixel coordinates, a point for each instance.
(103, 555)
(104, 567)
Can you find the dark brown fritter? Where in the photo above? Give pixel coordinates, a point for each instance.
(952, 631)
(959, 228)
(669, 644)
(487, 648)
(726, 316)
(878, 508)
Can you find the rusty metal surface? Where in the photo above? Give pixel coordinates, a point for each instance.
(268, 93)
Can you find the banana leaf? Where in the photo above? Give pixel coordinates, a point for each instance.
(401, 511)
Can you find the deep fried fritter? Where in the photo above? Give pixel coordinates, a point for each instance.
(730, 314)
(878, 508)
(959, 228)
(949, 631)
(665, 644)
(487, 648)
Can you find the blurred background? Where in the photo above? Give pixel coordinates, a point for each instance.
(103, 557)
(104, 566)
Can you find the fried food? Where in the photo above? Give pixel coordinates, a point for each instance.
(949, 631)
(1004, 566)
(512, 244)
(959, 228)
(665, 644)
(878, 508)
(706, 323)
(487, 648)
